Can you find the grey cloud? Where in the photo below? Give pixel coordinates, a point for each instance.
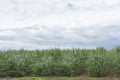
(61, 36)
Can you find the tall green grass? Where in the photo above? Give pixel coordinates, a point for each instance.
(56, 62)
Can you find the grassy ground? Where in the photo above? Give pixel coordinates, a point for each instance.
(62, 78)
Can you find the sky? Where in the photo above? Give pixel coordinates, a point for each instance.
(43, 24)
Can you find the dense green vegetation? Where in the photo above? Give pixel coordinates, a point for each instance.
(55, 62)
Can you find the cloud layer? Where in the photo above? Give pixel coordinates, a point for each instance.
(38, 24)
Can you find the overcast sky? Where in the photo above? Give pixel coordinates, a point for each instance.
(39, 24)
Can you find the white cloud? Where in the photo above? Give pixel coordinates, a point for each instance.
(7, 33)
(112, 2)
(64, 23)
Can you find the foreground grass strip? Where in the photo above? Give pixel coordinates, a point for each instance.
(62, 78)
